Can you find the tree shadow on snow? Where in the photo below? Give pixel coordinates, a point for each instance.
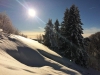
(27, 56)
(32, 58)
(59, 60)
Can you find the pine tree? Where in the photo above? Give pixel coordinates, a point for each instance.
(57, 25)
(46, 36)
(74, 35)
(64, 24)
(49, 39)
(74, 27)
(63, 30)
(71, 29)
(56, 30)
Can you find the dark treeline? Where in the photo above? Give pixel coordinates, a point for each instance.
(93, 50)
(66, 39)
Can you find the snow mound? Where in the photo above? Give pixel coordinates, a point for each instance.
(19, 55)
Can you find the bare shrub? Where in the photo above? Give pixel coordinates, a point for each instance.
(23, 35)
(6, 24)
(40, 38)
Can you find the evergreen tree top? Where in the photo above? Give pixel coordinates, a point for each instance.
(50, 23)
(57, 23)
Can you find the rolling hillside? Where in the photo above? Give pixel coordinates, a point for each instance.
(23, 56)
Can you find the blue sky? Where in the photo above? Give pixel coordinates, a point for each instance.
(17, 10)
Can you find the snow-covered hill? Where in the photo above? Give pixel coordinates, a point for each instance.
(22, 56)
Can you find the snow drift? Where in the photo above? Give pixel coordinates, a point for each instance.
(23, 56)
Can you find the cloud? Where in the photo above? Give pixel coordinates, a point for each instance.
(89, 31)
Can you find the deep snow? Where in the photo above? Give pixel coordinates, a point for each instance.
(23, 56)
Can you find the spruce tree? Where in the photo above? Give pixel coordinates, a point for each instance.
(46, 37)
(56, 30)
(74, 35)
(71, 29)
(49, 39)
(63, 30)
(57, 25)
(75, 27)
(64, 24)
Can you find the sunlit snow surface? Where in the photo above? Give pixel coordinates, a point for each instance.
(22, 56)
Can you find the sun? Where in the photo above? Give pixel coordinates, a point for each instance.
(31, 12)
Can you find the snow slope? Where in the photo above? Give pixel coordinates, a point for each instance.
(22, 56)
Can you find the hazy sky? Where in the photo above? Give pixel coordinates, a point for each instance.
(17, 10)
